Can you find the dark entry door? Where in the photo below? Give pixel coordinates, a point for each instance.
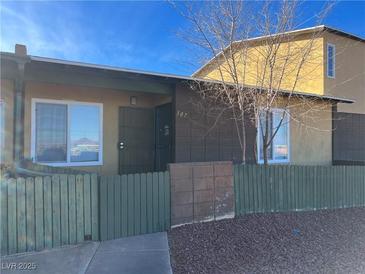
(163, 136)
(136, 140)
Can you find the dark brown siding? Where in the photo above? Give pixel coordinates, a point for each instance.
(348, 138)
(197, 139)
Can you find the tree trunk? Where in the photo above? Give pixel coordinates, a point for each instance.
(243, 140)
(266, 138)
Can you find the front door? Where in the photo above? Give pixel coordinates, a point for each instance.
(136, 140)
(163, 136)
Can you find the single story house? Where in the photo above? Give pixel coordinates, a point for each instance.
(114, 121)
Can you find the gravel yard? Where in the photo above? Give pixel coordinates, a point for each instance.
(326, 241)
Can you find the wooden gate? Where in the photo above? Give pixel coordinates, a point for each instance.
(134, 204)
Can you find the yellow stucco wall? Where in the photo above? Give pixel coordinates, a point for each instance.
(349, 81)
(311, 135)
(7, 97)
(310, 79)
(310, 127)
(111, 100)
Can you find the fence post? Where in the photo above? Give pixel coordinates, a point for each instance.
(4, 216)
(95, 206)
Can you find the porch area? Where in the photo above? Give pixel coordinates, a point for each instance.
(90, 118)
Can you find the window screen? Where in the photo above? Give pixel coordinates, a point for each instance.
(51, 132)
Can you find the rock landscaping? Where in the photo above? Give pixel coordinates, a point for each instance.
(325, 241)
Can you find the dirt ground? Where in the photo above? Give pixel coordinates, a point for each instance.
(326, 241)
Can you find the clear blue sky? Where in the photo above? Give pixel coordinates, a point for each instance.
(139, 35)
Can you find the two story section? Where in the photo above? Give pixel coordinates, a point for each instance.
(334, 64)
(319, 60)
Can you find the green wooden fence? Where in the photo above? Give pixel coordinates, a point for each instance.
(45, 212)
(279, 188)
(134, 204)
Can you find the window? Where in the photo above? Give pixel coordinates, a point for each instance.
(331, 53)
(66, 133)
(278, 151)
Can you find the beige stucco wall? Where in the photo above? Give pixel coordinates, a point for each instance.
(349, 81)
(111, 100)
(311, 135)
(7, 97)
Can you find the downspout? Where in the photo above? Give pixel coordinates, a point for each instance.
(334, 110)
(21, 60)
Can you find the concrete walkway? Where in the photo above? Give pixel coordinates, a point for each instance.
(139, 254)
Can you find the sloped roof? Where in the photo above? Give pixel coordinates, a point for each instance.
(155, 75)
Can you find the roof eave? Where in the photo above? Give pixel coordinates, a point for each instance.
(161, 75)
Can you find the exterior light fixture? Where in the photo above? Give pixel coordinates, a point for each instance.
(133, 100)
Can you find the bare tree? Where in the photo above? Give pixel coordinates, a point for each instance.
(255, 76)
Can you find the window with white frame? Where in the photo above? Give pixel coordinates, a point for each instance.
(278, 151)
(66, 133)
(331, 54)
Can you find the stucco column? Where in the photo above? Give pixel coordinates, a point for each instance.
(21, 52)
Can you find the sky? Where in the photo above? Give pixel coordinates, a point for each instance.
(137, 35)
